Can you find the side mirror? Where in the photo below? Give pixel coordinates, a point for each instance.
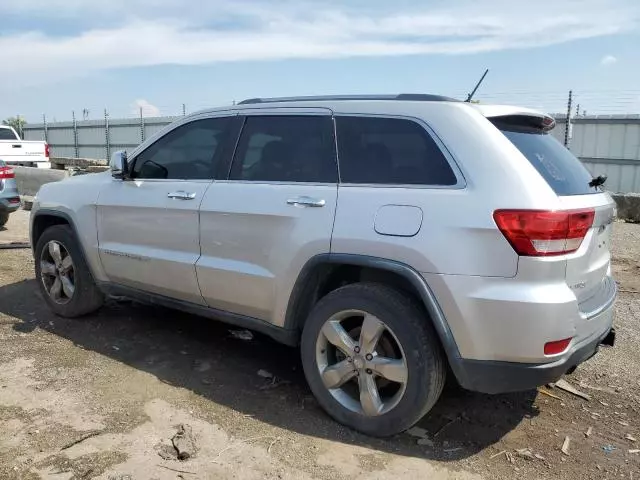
(119, 165)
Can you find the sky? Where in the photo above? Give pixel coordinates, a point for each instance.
(154, 56)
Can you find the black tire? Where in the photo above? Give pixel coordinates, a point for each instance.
(424, 356)
(4, 218)
(87, 298)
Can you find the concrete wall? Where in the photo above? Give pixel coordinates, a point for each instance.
(628, 206)
(30, 180)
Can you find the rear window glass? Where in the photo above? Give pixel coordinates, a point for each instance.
(564, 173)
(7, 134)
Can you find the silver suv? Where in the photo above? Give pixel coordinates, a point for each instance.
(393, 238)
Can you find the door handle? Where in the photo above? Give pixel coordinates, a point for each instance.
(182, 195)
(306, 202)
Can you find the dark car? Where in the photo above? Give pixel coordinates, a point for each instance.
(9, 198)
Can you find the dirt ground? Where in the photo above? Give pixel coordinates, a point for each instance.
(16, 229)
(102, 397)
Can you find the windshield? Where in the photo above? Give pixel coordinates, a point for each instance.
(7, 134)
(564, 173)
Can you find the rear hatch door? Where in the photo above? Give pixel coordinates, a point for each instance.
(588, 268)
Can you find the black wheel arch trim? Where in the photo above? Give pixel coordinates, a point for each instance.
(46, 212)
(410, 274)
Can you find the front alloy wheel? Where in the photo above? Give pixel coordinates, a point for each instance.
(57, 272)
(64, 279)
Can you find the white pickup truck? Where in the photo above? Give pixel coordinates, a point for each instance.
(14, 151)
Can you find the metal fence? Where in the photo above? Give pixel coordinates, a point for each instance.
(95, 138)
(606, 144)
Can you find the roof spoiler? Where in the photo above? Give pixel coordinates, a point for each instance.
(525, 121)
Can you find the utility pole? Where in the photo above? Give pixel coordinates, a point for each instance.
(46, 129)
(567, 125)
(75, 134)
(107, 140)
(184, 109)
(141, 126)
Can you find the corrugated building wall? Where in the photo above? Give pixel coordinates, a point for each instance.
(608, 145)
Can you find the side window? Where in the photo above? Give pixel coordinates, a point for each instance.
(189, 152)
(389, 151)
(286, 149)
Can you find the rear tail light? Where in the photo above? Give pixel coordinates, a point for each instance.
(46, 150)
(14, 200)
(559, 346)
(6, 173)
(537, 233)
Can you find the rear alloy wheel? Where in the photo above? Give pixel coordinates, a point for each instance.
(364, 367)
(372, 359)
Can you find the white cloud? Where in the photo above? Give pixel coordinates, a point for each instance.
(129, 33)
(608, 60)
(147, 109)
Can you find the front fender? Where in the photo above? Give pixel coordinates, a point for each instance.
(75, 201)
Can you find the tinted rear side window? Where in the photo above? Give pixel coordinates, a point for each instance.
(564, 173)
(389, 151)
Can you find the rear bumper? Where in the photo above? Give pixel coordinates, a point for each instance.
(7, 206)
(511, 319)
(501, 377)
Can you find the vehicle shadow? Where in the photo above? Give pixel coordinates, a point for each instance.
(168, 344)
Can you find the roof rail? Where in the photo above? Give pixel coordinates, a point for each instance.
(419, 97)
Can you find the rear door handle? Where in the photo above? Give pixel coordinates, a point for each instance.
(306, 202)
(182, 195)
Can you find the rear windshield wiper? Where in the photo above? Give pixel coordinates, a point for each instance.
(598, 181)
